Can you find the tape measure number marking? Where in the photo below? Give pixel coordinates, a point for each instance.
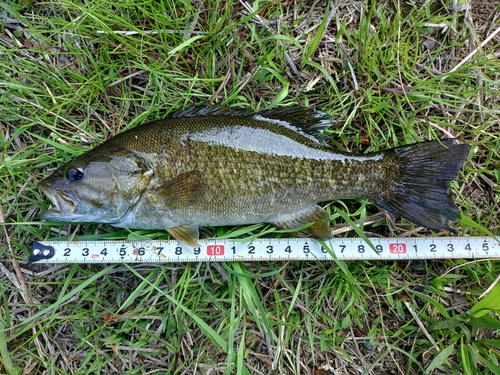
(264, 249)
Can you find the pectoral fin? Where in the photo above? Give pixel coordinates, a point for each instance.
(188, 234)
(185, 189)
(315, 214)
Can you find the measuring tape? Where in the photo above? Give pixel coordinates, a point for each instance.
(264, 249)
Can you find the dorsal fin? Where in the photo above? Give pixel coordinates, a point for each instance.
(304, 120)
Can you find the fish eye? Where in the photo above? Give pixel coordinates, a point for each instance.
(74, 174)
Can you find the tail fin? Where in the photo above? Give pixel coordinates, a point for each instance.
(421, 194)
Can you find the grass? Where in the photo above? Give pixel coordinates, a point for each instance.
(73, 73)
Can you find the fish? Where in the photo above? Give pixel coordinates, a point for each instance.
(211, 166)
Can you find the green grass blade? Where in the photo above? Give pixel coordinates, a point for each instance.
(355, 228)
(185, 44)
(209, 331)
(253, 301)
(313, 46)
(440, 359)
(63, 298)
(491, 302)
(5, 359)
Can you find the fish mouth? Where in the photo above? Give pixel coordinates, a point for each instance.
(63, 203)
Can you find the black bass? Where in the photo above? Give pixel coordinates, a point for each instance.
(212, 167)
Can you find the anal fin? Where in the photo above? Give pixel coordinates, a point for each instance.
(188, 234)
(319, 217)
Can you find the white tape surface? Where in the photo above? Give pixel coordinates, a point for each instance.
(264, 249)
